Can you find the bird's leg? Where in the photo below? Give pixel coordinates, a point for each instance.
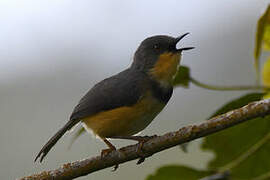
(105, 152)
(141, 140)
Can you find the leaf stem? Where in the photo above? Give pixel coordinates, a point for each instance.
(263, 177)
(227, 88)
(217, 176)
(245, 155)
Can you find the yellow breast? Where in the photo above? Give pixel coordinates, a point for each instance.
(124, 121)
(165, 67)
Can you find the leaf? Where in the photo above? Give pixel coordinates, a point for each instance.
(243, 149)
(266, 76)
(266, 37)
(176, 172)
(266, 73)
(182, 77)
(262, 23)
(266, 96)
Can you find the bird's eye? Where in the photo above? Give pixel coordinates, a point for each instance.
(156, 46)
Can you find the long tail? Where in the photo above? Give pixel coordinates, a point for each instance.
(47, 147)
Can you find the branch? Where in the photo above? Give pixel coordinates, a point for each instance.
(157, 144)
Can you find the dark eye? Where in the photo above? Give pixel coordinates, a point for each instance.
(156, 46)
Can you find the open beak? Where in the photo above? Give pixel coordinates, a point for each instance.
(185, 48)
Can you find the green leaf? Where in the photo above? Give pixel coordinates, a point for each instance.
(182, 77)
(266, 73)
(266, 37)
(243, 149)
(266, 96)
(261, 26)
(176, 172)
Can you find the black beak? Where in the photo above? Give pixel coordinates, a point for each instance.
(185, 48)
(180, 37)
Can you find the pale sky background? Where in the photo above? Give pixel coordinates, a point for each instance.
(52, 52)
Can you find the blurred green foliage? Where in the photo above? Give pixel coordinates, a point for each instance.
(176, 172)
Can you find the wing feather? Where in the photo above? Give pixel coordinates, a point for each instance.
(123, 89)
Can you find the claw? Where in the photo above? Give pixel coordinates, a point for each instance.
(141, 140)
(105, 152)
(139, 149)
(141, 160)
(115, 167)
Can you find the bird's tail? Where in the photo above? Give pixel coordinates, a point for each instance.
(47, 147)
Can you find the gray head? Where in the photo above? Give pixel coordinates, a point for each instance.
(151, 48)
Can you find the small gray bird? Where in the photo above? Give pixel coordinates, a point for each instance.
(126, 103)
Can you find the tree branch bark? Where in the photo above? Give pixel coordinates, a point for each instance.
(157, 144)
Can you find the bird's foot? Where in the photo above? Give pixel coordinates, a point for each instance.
(141, 140)
(139, 150)
(105, 152)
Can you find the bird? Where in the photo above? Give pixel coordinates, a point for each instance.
(121, 106)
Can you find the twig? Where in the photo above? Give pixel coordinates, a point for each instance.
(227, 88)
(219, 176)
(263, 177)
(157, 144)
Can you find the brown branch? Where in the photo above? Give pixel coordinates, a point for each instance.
(157, 144)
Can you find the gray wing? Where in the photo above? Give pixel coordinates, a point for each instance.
(123, 89)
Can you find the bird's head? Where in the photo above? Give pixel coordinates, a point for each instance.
(159, 57)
